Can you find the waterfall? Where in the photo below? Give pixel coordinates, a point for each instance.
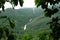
(33, 11)
(25, 27)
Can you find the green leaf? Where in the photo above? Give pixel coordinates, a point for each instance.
(44, 6)
(21, 2)
(1, 33)
(27, 36)
(48, 12)
(55, 10)
(2, 1)
(5, 28)
(7, 32)
(12, 23)
(0, 5)
(3, 17)
(3, 8)
(39, 2)
(11, 37)
(15, 2)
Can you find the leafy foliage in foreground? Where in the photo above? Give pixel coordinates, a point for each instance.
(13, 2)
(27, 36)
(43, 35)
(54, 25)
(5, 31)
(44, 5)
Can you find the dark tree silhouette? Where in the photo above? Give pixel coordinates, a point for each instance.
(54, 25)
(13, 2)
(5, 32)
(44, 5)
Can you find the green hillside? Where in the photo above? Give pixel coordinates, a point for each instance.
(35, 21)
(21, 16)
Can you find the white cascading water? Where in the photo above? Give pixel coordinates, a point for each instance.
(24, 27)
(33, 11)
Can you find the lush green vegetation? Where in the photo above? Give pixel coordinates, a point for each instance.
(45, 26)
(37, 26)
(54, 23)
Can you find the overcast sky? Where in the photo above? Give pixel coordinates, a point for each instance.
(27, 4)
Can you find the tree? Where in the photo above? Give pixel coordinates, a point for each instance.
(54, 25)
(43, 35)
(27, 36)
(44, 5)
(13, 2)
(5, 31)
